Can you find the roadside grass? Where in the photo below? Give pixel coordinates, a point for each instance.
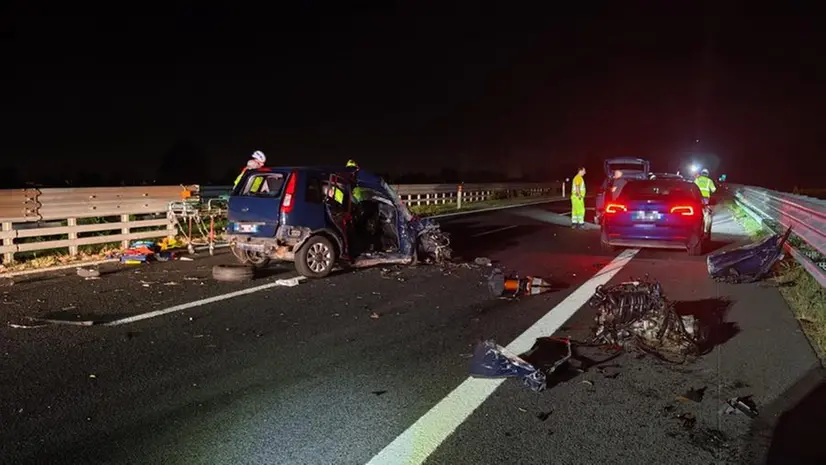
(805, 296)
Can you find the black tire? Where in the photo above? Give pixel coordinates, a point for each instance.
(233, 273)
(316, 258)
(603, 242)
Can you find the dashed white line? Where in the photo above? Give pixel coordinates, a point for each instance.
(503, 228)
(209, 300)
(420, 440)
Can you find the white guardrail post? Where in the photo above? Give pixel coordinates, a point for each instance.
(805, 215)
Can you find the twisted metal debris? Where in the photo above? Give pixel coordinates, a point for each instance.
(636, 313)
(434, 244)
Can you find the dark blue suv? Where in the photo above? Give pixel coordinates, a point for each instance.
(307, 215)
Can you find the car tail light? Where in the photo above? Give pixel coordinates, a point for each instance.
(685, 210)
(615, 208)
(289, 194)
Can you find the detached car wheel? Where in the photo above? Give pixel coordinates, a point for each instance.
(232, 273)
(316, 258)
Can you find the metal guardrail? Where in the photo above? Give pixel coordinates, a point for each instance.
(41, 219)
(805, 215)
(435, 194)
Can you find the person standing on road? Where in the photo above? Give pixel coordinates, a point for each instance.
(617, 184)
(578, 200)
(706, 186)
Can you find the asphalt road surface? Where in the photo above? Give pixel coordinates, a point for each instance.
(372, 366)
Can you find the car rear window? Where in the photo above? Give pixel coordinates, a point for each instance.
(660, 189)
(263, 185)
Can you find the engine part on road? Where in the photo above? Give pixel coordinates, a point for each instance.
(232, 273)
(434, 244)
(749, 263)
(636, 313)
(513, 286)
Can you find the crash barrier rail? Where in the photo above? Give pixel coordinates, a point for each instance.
(805, 215)
(35, 220)
(438, 194)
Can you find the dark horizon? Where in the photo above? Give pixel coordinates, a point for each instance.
(191, 95)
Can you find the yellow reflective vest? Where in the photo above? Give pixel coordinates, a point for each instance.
(706, 186)
(578, 181)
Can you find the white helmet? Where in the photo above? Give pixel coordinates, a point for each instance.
(259, 155)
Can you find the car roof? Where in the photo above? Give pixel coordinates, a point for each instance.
(635, 161)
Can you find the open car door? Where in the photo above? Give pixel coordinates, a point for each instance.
(339, 205)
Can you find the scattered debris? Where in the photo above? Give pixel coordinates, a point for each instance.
(374, 315)
(589, 383)
(513, 286)
(433, 243)
(491, 360)
(482, 261)
(694, 395)
(88, 273)
(542, 416)
(743, 404)
(290, 282)
(749, 263)
(379, 392)
(638, 313)
(688, 420)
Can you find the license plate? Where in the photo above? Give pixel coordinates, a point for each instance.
(251, 247)
(649, 216)
(248, 228)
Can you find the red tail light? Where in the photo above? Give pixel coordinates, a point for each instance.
(615, 208)
(289, 193)
(685, 210)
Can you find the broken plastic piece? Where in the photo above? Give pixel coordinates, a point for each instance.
(741, 404)
(748, 263)
(491, 360)
(88, 273)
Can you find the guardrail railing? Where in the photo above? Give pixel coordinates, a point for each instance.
(805, 215)
(35, 220)
(437, 194)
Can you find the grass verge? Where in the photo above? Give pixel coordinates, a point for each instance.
(438, 209)
(805, 296)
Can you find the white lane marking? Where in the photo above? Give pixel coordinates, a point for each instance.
(421, 439)
(503, 228)
(491, 209)
(209, 300)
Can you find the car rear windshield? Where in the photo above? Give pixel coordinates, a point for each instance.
(660, 189)
(625, 167)
(263, 185)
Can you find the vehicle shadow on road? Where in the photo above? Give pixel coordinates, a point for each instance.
(791, 430)
(546, 352)
(467, 247)
(711, 318)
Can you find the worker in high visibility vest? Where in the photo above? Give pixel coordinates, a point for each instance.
(706, 186)
(578, 200)
(258, 160)
(358, 193)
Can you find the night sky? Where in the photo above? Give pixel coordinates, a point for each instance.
(408, 89)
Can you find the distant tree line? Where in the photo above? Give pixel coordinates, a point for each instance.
(182, 165)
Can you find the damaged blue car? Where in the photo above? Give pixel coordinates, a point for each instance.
(323, 217)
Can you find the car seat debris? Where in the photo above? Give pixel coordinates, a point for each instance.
(748, 263)
(491, 360)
